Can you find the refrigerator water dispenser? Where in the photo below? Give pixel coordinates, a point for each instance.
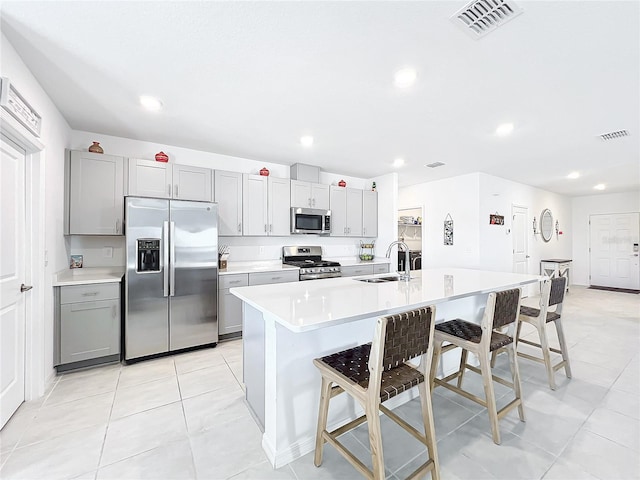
(148, 255)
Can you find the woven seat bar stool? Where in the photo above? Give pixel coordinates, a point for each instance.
(501, 312)
(374, 373)
(552, 296)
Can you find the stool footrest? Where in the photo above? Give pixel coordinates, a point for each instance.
(495, 378)
(508, 407)
(460, 391)
(361, 467)
(404, 424)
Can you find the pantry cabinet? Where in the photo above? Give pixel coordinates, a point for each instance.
(94, 194)
(149, 178)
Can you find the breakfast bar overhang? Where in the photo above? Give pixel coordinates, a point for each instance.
(286, 326)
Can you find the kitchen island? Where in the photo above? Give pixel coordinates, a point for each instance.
(286, 326)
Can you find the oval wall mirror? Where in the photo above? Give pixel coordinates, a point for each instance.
(546, 225)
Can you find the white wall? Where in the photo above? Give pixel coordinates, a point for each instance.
(496, 247)
(47, 203)
(457, 197)
(582, 208)
(470, 199)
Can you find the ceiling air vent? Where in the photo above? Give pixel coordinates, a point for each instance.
(434, 164)
(614, 135)
(480, 17)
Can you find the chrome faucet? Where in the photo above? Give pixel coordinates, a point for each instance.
(407, 264)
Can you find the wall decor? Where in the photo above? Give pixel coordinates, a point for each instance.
(495, 219)
(535, 226)
(546, 224)
(448, 230)
(162, 157)
(18, 107)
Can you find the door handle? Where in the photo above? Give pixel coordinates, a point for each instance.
(165, 258)
(528, 256)
(172, 259)
(175, 189)
(25, 288)
(239, 227)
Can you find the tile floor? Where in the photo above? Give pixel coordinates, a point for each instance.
(183, 417)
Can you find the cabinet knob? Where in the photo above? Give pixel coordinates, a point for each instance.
(239, 227)
(176, 191)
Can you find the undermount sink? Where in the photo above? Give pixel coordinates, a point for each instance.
(378, 279)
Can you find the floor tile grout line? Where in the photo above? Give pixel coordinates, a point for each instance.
(186, 423)
(106, 430)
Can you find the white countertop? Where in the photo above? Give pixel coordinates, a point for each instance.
(83, 276)
(314, 304)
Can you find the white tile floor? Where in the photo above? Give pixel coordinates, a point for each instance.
(183, 417)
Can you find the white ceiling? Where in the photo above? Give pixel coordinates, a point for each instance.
(249, 78)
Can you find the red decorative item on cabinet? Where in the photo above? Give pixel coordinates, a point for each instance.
(342, 183)
(162, 157)
(264, 172)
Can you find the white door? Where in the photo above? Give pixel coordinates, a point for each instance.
(255, 218)
(228, 195)
(614, 250)
(279, 202)
(12, 271)
(520, 239)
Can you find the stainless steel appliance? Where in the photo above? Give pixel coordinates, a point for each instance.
(309, 259)
(171, 281)
(310, 220)
(415, 260)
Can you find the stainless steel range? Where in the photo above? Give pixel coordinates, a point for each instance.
(309, 260)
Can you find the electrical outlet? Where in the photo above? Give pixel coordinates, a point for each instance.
(261, 251)
(107, 252)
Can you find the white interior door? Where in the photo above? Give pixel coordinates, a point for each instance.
(12, 271)
(520, 237)
(614, 250)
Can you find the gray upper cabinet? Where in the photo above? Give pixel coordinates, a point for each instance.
(148, 178)
(369, 213)
(94, 197)
(346, 212)
(309, 195)
(228, 196)
(265, 205)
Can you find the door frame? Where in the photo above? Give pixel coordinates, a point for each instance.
(34, 253)
(526, 290)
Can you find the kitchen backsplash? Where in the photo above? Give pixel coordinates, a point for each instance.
(109, 251)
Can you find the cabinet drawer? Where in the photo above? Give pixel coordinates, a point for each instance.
(381, 268)
(357, 270)
(273, 277)
(89, 293)
(230, 281)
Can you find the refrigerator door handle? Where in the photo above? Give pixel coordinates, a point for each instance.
(165, 259)
(172, 259)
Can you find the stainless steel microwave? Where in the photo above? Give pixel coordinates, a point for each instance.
(310, 220)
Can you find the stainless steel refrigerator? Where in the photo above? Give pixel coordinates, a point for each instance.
(171, 282)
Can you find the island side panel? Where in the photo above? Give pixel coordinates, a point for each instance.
(253, 361)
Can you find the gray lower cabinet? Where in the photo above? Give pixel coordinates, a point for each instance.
(88, 325)
(364, 269)
(230, 306)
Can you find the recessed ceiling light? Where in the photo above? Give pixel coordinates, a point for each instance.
(398, 162)
(573, 175)
(504, 129)
(600, 186)
(405, 77)
(150, 103)
(306, 140)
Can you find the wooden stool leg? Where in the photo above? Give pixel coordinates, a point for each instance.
(563, 347)
(515, 378)
(487, 380)
(546, 354)
(375, 441)
(323, 411)
(435, 359)
(429, 428)
(494, 354)
(463, 366)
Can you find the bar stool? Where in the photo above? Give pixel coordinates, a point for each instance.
(500, 312)
(374, 373)
(552, 295)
